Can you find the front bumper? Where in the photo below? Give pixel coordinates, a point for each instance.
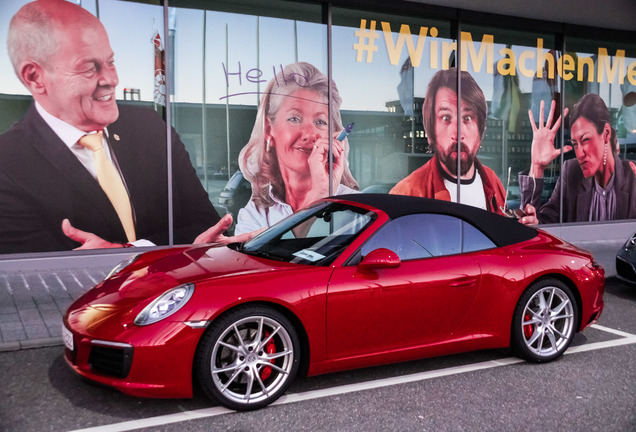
(153, 362)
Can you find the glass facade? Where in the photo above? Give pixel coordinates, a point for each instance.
(259, 94)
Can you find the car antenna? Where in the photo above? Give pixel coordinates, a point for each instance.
(507, 187)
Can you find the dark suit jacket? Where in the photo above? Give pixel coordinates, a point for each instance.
(42, 183)
(577, 193)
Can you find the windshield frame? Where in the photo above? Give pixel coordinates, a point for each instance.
(318, 251)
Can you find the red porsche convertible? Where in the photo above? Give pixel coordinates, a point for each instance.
(353, 281)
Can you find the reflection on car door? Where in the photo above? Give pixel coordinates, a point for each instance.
(420, 302)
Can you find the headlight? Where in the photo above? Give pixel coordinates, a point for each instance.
(165, 305)
(122, 265)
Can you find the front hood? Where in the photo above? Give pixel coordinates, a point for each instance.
(122, 296)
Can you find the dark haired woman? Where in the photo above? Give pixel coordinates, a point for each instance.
(596, 186)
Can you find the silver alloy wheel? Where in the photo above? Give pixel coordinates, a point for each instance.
(548, 321)
(252, 360)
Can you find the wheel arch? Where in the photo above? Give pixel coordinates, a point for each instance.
(570, 284)
(575, 290)
(298, 326)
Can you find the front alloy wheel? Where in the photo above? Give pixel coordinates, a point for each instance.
(545, 321)
(248, 358)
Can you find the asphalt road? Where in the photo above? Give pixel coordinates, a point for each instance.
(591, 388)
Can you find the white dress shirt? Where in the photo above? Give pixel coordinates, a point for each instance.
(70, 136)
(251, 217)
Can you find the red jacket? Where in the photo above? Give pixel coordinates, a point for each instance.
(427, 182)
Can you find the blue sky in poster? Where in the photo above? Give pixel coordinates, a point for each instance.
(363, 86)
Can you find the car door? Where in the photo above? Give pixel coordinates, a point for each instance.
(417, 303)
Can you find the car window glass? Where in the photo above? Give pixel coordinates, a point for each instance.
(337, 223)
(312, 236)
(235, 181)
(427, 235)
(475, 240)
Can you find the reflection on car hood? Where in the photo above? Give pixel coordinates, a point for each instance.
(158, 271)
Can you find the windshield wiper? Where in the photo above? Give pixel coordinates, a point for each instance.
(237, 246)
(263, 254)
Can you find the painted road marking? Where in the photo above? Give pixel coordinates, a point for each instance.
(626, 339)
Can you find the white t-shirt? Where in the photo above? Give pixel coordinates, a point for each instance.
(472, 193)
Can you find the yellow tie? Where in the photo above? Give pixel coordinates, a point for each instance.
(111, 182)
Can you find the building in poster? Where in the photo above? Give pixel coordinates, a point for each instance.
(225, 54)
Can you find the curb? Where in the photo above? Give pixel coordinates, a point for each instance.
(30, 344)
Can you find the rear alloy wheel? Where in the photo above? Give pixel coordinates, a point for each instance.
(248, 358)
(544, 321)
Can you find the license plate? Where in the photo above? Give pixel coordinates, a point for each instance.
(68, 338)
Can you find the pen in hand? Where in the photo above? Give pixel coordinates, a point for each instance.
(346, 131)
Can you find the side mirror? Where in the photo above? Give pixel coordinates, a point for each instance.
(379, 259)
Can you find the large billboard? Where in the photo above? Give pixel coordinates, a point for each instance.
(258, 111)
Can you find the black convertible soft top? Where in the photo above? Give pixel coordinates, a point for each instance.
(501, 230)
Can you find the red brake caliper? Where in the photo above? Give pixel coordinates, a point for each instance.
(528, 329)
(270, 348)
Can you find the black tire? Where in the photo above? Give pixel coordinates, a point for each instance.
(248, 357)
(545, 321)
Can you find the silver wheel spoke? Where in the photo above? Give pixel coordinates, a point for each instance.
(259, 333)
(269, 338)
(552, 339)
(229, 346)
(239, 337)
(250, 383)
(228, 368)
(554, 330)
(261, 384)
(561, 317)
(255, 357)
(536, 335)
(550, 313)
(540, 338)
(550, 300)
(557, 310)
(566, 315)
(533, 320)
(277, 355)
(279, 369)
(234, 375)
(542, 304)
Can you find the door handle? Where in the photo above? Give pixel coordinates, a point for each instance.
(464, 283)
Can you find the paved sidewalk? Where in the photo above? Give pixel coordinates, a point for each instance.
(32, 302)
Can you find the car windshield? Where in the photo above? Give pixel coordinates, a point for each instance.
(315, 236)
(233, 183)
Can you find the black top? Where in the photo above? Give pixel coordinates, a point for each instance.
(501, 230)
